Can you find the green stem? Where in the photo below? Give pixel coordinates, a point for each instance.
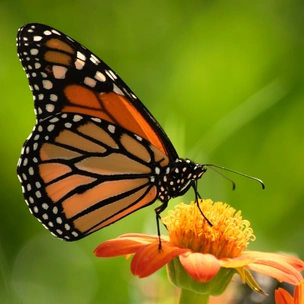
(189, 297)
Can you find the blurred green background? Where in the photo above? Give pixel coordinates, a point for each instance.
(224, 79)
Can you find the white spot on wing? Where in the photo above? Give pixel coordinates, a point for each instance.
(111, 128)
(55, 32)
(77, 118)
(59, 71)
(96, 119)
(54, 119)
(99, 76)
(59, 231)
(90, 82)
(47, 84)
(94, 59)
(50, 128)
(34, 51)
(37, 38)
(111, 74)
(53, 97)
(81, 56)
(117, 90)
(79, 64)
(50, 107)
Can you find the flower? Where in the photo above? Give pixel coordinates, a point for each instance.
(283, 297)
(200, 257)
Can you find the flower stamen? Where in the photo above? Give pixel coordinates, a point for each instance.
(227, 238)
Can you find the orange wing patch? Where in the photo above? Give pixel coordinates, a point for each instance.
(69, 138)
(59, 189)
(113, 108)
(58, 52)
(127, 116)
(58, 44)
(51, 171)
(111, 213)
(101, 192)
(82, 97)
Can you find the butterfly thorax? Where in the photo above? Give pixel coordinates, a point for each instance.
(177, 177)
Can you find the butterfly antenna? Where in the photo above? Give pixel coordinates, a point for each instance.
(212, 166)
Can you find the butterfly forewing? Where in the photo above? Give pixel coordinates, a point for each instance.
(64, 76)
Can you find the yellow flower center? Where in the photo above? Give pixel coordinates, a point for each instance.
(228, 236)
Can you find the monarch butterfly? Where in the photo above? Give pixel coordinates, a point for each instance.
(96, 154)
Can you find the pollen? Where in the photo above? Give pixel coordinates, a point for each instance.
(228, 236)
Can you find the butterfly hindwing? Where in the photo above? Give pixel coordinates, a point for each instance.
(78, 187)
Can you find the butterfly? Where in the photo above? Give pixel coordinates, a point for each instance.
(96, 154)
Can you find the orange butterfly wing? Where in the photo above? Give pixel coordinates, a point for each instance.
(96, 151)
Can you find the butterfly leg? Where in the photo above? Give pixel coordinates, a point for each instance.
(158, 211)
(197, 197)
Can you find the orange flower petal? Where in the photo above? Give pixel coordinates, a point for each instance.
(283, 297)
(201, 267)
(236, 262)
(123, 245)
(283, 272)
(117, 247)
(143, 237)
(150, 258)
(299, 293)
(279, 266)
(279, 257)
